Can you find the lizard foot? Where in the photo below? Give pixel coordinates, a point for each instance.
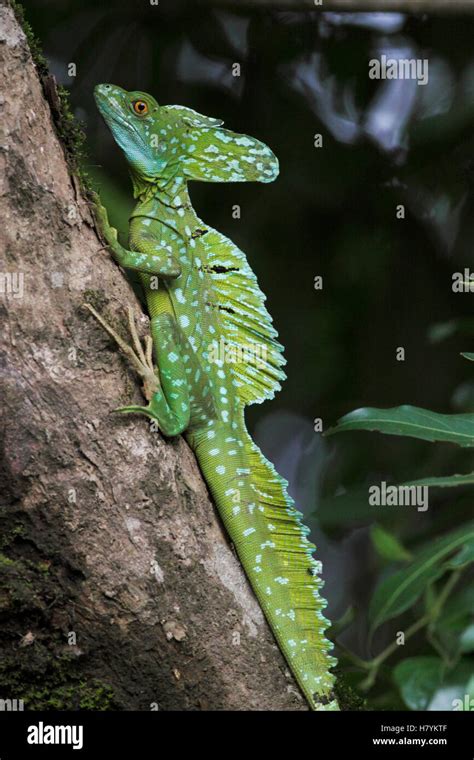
(170, 422)
(140, 358)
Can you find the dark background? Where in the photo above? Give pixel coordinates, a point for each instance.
(332, 212)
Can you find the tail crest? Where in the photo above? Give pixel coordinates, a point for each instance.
(273, 547)
(297, 564)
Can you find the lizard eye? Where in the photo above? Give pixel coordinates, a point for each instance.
(140, 107)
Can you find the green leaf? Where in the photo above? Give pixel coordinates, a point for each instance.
(448, 638)
(460, 606)
(388, 545)
(444, 481)
(454, 628)
(460, 603)
(418, 679)
(442, 330)
(339, 625)
(429, 597)
(402, 589)
(464, 557)
(353, 506)
(349, 508)
(411, 421)
(457, 688)
(467, 355)
(467, 639)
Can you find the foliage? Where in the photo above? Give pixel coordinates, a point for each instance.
(432, 584)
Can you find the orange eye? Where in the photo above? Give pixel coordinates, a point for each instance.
(140, 107)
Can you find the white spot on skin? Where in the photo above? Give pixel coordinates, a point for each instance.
(245, 141)
(220, 469)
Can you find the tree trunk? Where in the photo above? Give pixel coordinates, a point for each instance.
(119, 588)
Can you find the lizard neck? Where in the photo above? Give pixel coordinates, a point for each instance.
(161, 189)
(167, 202)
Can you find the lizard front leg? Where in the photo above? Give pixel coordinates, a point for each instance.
(178, 392)
(150, 257)
(169, 400)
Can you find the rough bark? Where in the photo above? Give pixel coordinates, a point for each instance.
(119, 589)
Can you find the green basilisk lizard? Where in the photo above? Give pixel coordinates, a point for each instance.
(215, 351)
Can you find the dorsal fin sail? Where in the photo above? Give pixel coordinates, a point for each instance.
(250, 340)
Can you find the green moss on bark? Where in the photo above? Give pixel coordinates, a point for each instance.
(68, 128)
(37, 595)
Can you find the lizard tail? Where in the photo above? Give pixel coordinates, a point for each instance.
(274, 549)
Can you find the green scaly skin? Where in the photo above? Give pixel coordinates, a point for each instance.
(215, 352)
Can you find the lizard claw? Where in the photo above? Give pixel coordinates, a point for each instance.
(157, 410)
(141, 359)
(151, 410)
(146, 410)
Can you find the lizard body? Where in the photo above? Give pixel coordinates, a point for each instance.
(205, 307)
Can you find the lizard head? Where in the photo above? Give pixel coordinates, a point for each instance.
(161, 142)
(131, 117)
